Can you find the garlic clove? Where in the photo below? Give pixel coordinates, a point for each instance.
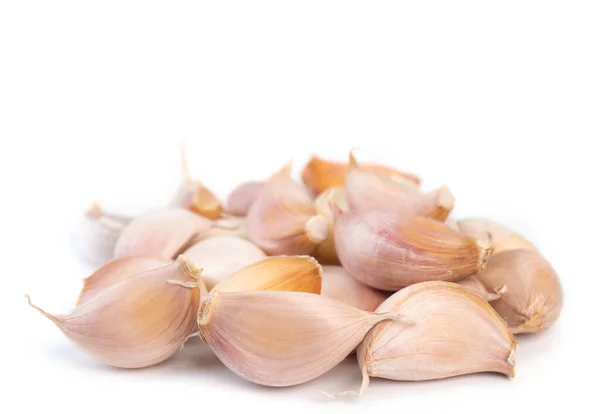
(502, 237)
(278, 338)
(324, 204)
(455, 332)
(222, 256)
(162, 234)
(225, 226)
(288, 273)
(388, 251)
(338, 284)
(476, 286)
(114, 272)
(242, 197)
(533, 298)
(138, 322)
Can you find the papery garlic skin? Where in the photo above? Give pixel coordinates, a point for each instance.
(278, 338)
(224, 226)
(222, 256)
(324, 204)
(162, 234)
(338, 284)
(477, 287)
(502, 238)
(455, 332)
(242, 197)
(388, 251)
(533, 297)
(138, 322)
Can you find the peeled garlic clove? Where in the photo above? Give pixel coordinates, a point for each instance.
(162, 234)
(455, 332)
(388, 251)
(116, 271)
(319, 174)
(242, 197)
(222, 256)
(502, 238)
(533, 298)
(225, 226)
(475, 286)
(280, 338)
(338, 284)
(289, 273)
(325, 252)
(283, 219)
(138, 322)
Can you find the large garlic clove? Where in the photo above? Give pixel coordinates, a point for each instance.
(388, 251)
(533, 297)
(502, 237)
(242, 197)
(162, 234)
(324, 203)
(338, 284)
(116, 271)
(455, 332)
(288, 273)
(283, 219)
(476, 286)
(367, 189)
(138, 322)
(222, 256)
(319, 174)
(280, 338)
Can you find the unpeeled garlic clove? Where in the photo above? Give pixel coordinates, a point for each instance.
(324, 204)
(475, 286)
(222, 256)
(242, 197)
(502, 238)
(116, 271)
(338, 284)
(388, 251)
(455, 332)
(162, 234)
(280, 338)
(533, 298)
(225, 226)
(138, 322)
(288, 273)
(283, 219)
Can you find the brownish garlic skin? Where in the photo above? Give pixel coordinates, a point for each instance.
(502, 238)
(388, 251)
(533, 299)
(195, 197)
(338, 284)
(242, 197)
(324, 203)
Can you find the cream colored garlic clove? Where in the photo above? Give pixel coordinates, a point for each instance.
(455, 332)
(475, 286)
(278, 338)
(388, 251)
(288, 273)
(116, 271)
(502, 237)
(222, 256)
(338, 284)
(242, 197)
(162, 234)
(283, 219)
(533, 299)
(138, 322)
(324, 204)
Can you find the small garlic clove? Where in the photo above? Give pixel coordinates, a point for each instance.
(324, 204)
(138, 322)
(242, 197)
(281, 339)
(475, 286)
(114, 272)
(533, 298)
(222, 256)
(502, 238)
(162, 234)
(225, 226)
(288, 273)
(388, 251)
(338, 284)
(455, 332)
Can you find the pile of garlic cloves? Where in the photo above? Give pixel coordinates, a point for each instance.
(288, 278)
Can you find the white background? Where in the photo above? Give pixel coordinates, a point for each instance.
(499, 100)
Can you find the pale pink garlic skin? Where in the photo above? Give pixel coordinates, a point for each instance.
(242, 197)
(338, 284)
(476, 286)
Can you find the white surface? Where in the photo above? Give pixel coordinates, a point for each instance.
(499, 100)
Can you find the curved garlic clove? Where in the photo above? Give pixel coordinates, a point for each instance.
(162, 234)
(533, 298)
(138, 322)
(288, 273)
(324, 204)
(338, 284)
(455, 332)
(280, 338)
(476, 286)
(502, 238)
(242, 197)
(283, 219)
(114, 272)
(388, 251)
(222, 256)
